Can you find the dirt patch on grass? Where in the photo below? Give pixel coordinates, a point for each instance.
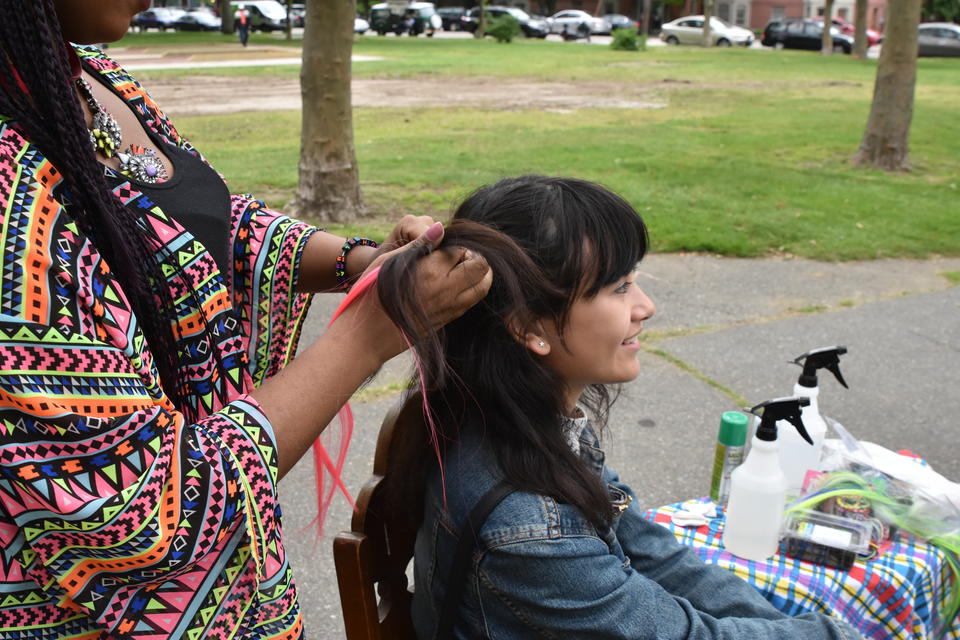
(203, 95)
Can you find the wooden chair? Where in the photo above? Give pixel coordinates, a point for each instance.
(372, 559)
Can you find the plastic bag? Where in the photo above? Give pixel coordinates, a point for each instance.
(862, 480)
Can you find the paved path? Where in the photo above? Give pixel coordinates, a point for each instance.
(215, 55)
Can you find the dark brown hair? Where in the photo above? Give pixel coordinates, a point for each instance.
(548, 241)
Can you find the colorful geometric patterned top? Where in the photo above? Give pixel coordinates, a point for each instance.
(118, 518)
(898, 595)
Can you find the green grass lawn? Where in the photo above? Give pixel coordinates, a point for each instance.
(749, 156)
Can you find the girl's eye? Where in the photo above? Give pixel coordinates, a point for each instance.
(623, 287)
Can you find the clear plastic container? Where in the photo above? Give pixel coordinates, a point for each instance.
(825, 538)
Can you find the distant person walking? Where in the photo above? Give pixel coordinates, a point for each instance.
(243, 25)
(583, 31)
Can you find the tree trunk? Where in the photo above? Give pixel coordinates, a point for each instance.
(226, 16)
(886, 138)
(329, 182)
(289, 28)
(860, 43)
(707, 14)
(645, 22)
(826, 45)
(482, 23)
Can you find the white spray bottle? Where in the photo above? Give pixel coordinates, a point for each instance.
(758, 488)
(796, 456)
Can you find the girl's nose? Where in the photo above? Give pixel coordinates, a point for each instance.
(643, 307)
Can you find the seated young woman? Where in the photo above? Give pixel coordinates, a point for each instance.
(517, 393)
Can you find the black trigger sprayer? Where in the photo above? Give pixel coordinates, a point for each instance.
(826, 358)
(788, 409)
(796, 457)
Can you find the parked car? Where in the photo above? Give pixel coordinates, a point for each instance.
(297, 14)
(689, 30)
(613, 21)
(451, 17)
(360, 26)
(939, 39)
(800, 33)
(197, 20)
(262, 15)
(873, 37)
(161, 18)
(530, 27)
(569, 22)
(414, 18)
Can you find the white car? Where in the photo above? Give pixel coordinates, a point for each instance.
(360, 26)
(689, 30)
(570, 21)
(197, 20)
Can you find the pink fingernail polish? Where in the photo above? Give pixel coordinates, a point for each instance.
(435, 232)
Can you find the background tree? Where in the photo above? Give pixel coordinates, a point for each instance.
(329, 181)
(860, 30)
(226, 16)
(707, 15)
(645, 19)
(289, 29)
(946, 10)
(886, 138)
(481, 20)
(826, 45)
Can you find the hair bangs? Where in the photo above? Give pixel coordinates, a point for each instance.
(598, 237)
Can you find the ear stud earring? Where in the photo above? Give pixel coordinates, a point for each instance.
(540, 344)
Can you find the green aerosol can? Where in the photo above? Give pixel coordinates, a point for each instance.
(731, 443)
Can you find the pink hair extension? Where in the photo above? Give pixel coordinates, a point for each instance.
(345, 417)
(321, 458)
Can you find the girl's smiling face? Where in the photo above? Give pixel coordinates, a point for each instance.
(599, 344)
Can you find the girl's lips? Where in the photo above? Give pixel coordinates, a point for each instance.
(635, 338)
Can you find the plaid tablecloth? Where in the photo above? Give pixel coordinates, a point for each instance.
(896, 595)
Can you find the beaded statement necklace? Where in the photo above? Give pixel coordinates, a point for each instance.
(136, 161)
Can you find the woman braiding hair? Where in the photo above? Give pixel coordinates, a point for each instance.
(149, 399)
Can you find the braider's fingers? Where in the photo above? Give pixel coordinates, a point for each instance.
(412, 227)
(473, 270)
(459, 278)
(408, 230)
(476, 291)
(426, 242)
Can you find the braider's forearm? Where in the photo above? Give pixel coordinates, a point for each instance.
(318, 262)
(304, 397)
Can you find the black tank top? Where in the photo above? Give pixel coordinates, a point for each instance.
(195, 196)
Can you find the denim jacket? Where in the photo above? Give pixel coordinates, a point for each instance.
(543, 571)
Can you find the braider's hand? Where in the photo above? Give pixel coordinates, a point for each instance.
(409, 229)
(450, 281)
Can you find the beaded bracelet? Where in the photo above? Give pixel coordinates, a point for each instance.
(343, 283)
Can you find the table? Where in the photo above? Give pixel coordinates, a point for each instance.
(893, 596)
